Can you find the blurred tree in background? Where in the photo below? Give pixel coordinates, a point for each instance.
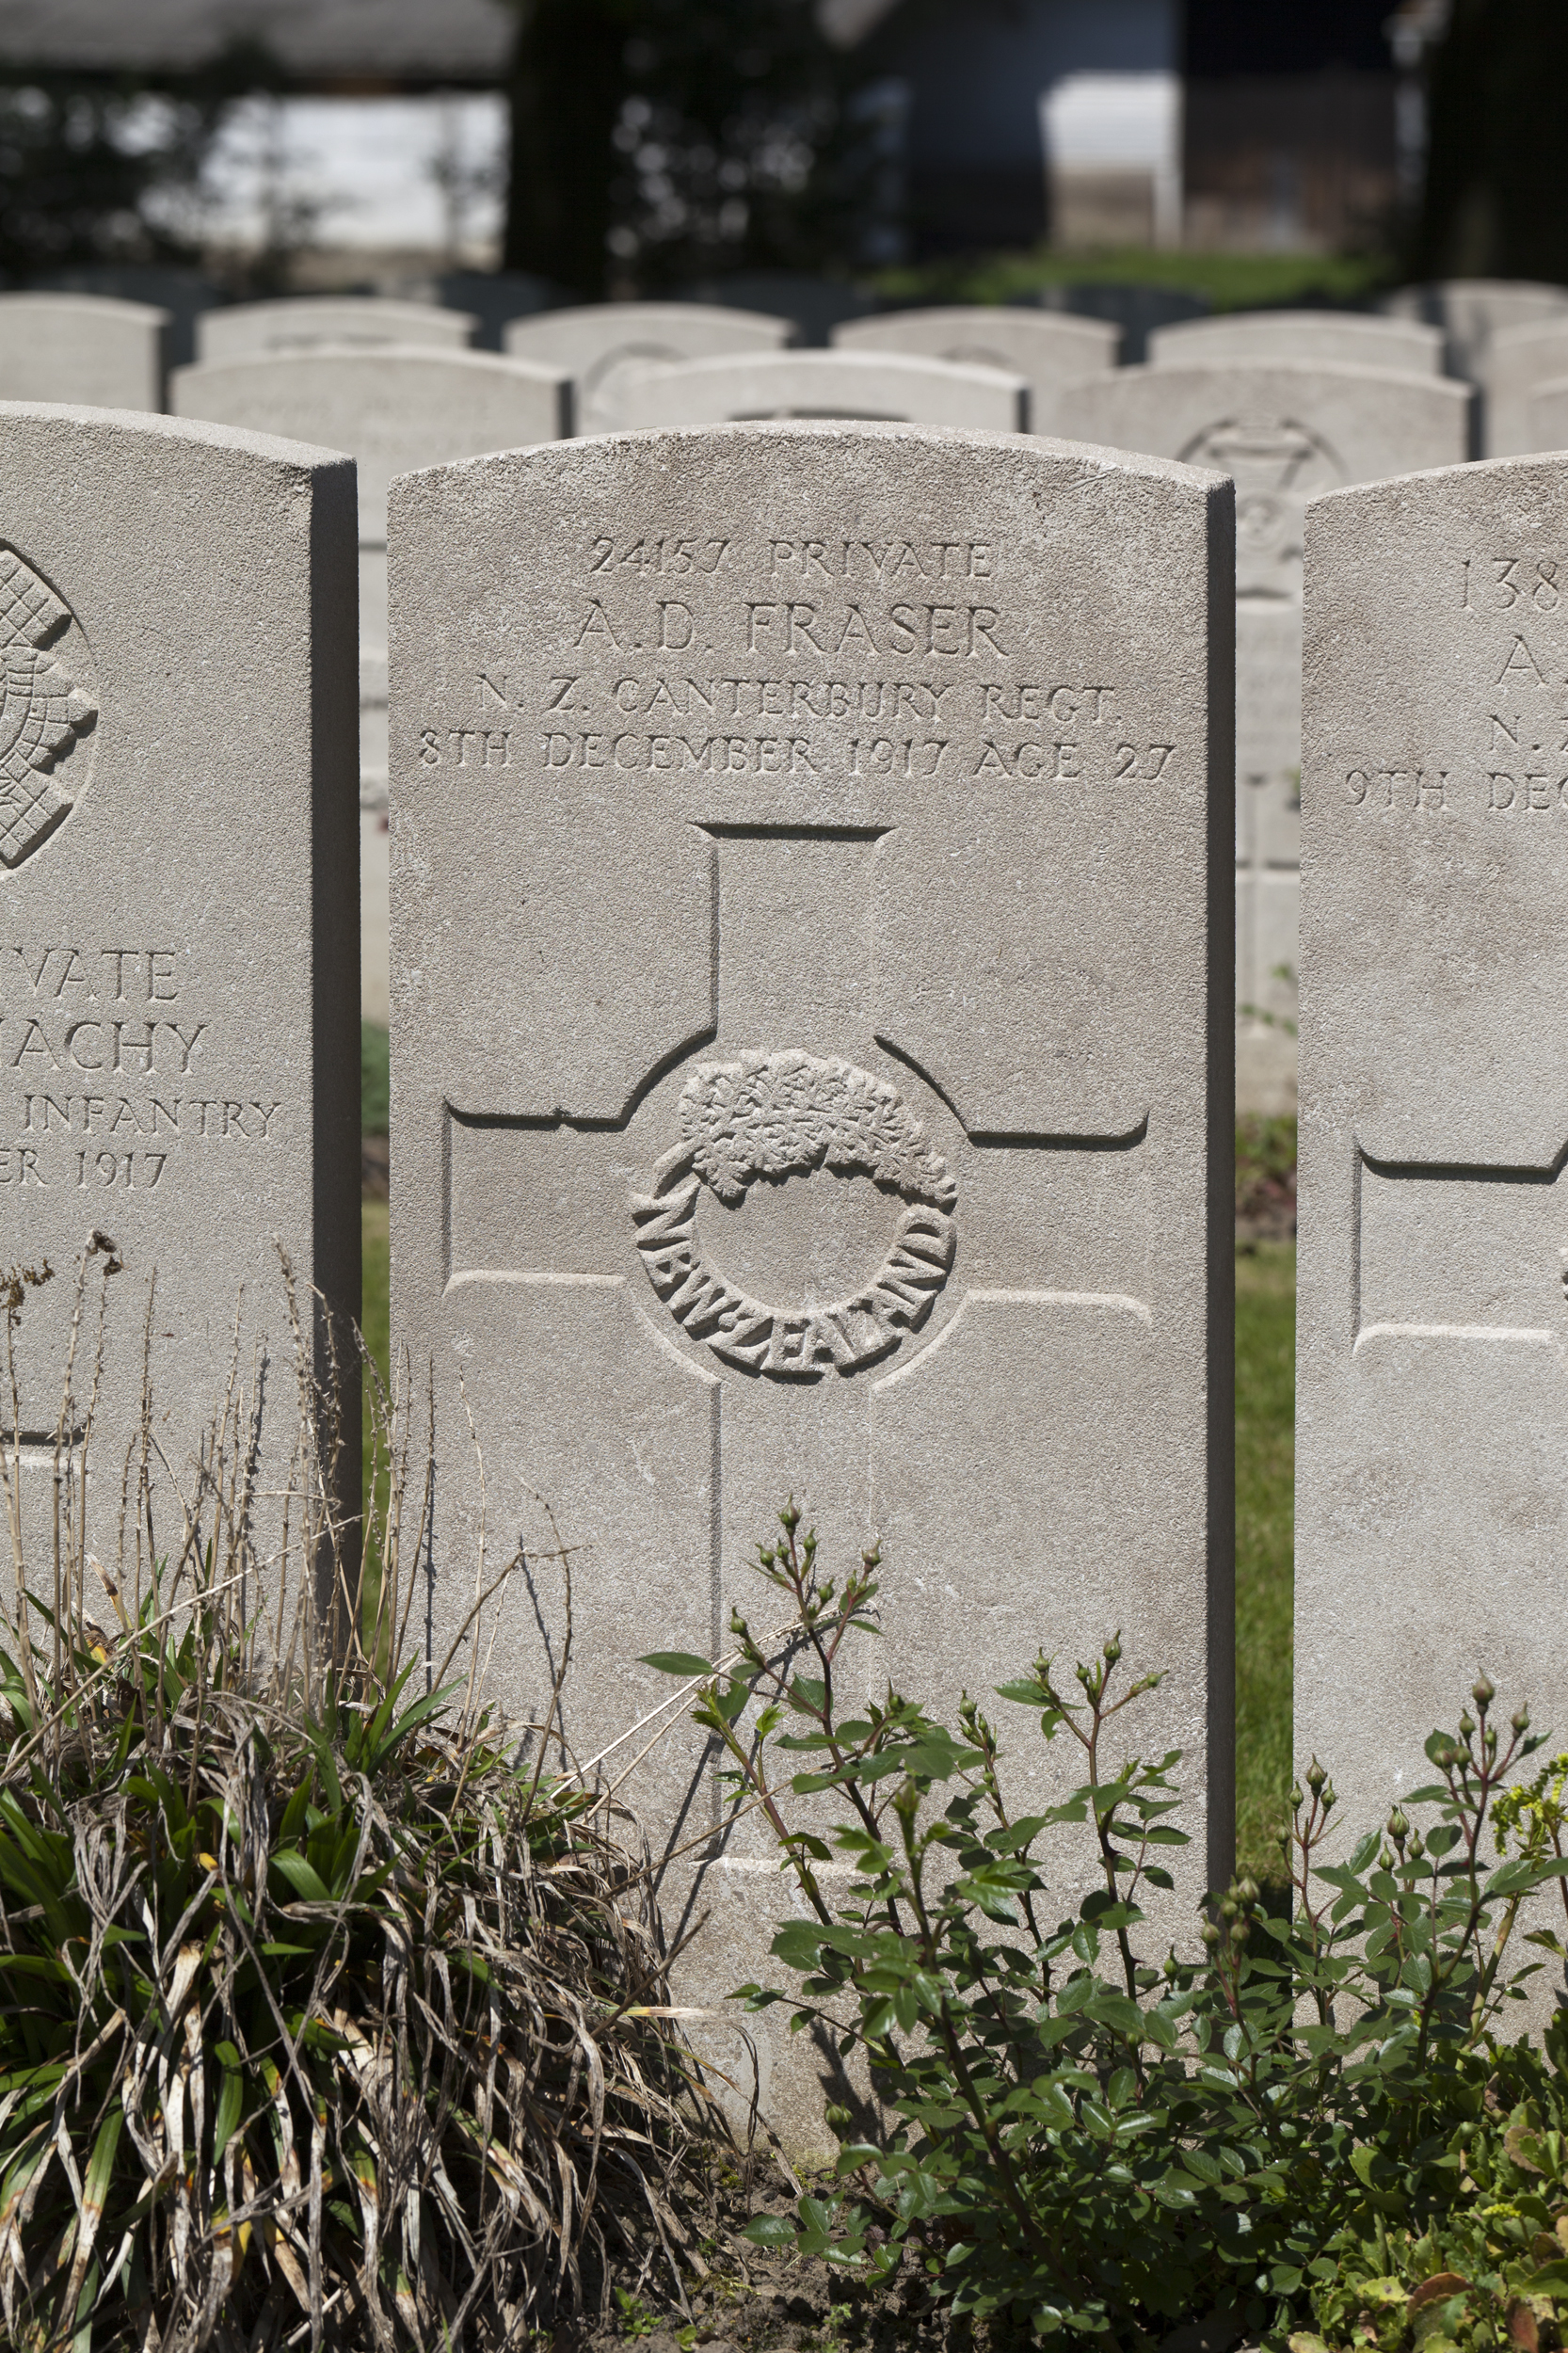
(659, 140)
(94, 171)
(1494, 206)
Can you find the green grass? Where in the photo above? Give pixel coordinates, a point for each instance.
(374, 1080)
(1232, 281)
(1265, 1460)
(1265, 1529)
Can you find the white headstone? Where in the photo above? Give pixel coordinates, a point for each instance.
(1286, 434)
(244, 331)
(1302, 338)
(178, 1038)
(1520, 362)
(1431, 1478)
(1547, 415)
(392, 409)
(1470, 310)
(85, 348)
(592, 344)
(864, 795)
(1046, 349)
(884, 387)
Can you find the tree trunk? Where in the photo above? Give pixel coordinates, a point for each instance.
(567, 80)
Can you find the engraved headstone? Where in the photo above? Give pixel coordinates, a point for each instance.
(1432, 1477)
(1470, 310)
(1286, 434)
(85, 348)
(391, 409)
(1302, 338)
(816, 1083)
(1047, 349)
(595, 342)
(1520, 362)
(886, 387)
(178, 1049)
(245, 331)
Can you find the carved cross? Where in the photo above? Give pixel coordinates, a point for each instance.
(793, 1212)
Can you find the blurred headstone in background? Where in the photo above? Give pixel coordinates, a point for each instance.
(183, 294)
(1519, 360)
(1285, 434)
(886, 387)
(85, 348)
(1470, 310)
(394, 408)
(1310, 338)
(246, 330)
(1047, 352)
(593, 342)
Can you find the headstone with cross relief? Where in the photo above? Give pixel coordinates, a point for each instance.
(1287, 433)
(810, 1073)
(1432, 1488)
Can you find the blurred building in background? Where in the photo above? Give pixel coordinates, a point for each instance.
(373, 142)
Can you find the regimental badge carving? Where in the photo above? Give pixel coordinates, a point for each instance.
(44, 715)
(1278, 465)
(776, 1116)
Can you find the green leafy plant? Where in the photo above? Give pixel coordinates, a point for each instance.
(1082, 2134)
(326, 2009)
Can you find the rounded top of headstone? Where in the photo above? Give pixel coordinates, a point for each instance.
(986, 334)
(111, 309)
(306, 322)
(1312, 337)
(394, 408)
(888, 387)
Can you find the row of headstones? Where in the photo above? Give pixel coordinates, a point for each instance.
(811, 1033)
(1508, 337)
(1209, 396)
(321, 369)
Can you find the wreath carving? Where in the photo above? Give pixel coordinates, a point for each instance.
(776, 1116)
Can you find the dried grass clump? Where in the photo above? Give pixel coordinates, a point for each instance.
(323, 2013)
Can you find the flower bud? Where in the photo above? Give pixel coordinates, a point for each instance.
(1316, 1776)
(1397, 1827)
(1520, 1720)
(1331, 1797)
(1248, 1891)
(1466, 1726)
(1483, 1691)
(1230, 1908)
(1113, 1650)
(1386, 1859)
(1240, 1932)
(1296, 1799)
(1418, 1847)
(789, 1518)
(1211, 1933)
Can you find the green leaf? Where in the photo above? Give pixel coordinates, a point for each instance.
(770, 2229)
(684, 1663)
(300, 1876)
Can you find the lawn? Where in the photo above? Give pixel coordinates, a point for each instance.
(1265, 1406)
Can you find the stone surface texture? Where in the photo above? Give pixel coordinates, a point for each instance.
(392, 409)
(1432, 1492)
(1519, 362)
(1470, 310)
(1547, 415)
(595, 342)
(89, 349)
(884, 387)
(1286, 434)
(244, 331)
(178, 1046)
(1045, 349)
(811, 1074)
(1302, 338)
